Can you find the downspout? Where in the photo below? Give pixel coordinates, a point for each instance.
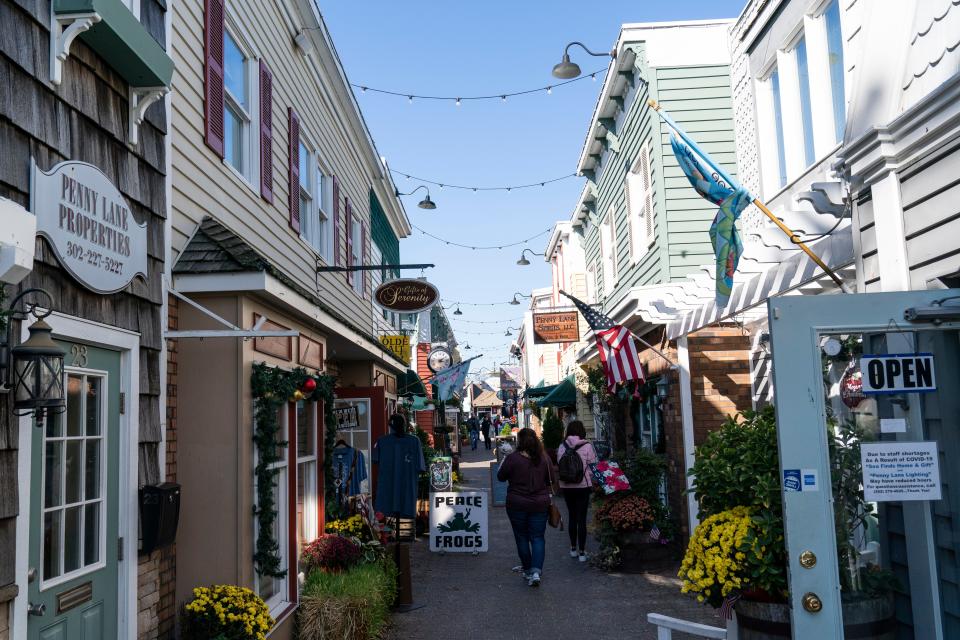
(686, 417)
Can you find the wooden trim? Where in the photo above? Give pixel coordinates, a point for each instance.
(272, 346)
(303, 346)
(321, 475)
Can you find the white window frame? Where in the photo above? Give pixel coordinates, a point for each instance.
(356, 258)
(638, 187)
(311, 479)
(279, 600)
(608, 251)
(62, 508)
(592, 283)
(325, 212)
(250, 129)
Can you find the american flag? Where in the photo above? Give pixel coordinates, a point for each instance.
(655, 533)
(726, 609)
(618, 351)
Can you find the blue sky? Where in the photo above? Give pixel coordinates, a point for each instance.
(488, 47)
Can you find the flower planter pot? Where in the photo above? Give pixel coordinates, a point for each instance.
(870, 618)
(639, 554)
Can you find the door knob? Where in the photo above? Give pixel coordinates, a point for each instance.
(36, 609)
(812, 602)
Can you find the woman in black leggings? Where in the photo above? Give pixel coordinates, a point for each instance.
(577, 494)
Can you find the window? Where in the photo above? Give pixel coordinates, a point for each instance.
(306, 175)
(608, 250)
(835, 59)
(316, 221)
(806, 112)
(307, 470)
(778, 122)
(592, 284)
(274, 590)
(356, 253)
(74, 483)
(639, 191)
(236, 105)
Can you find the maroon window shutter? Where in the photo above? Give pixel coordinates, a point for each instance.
(266, 133)
(294, 170)
(336, 222)
(348, 216)
(365, 252)
(213, 74)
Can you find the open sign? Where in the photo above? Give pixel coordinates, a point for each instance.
(898, 373)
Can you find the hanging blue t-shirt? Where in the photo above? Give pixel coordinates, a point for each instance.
(349, 470)
(401, 461)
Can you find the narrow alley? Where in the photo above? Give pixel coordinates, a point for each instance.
(479, 596)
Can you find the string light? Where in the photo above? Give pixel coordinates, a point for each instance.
(486, 248)
(457, 99)
(540, 183)
(447, 303)
(508, 320)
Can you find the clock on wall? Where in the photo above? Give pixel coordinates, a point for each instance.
(439, 359)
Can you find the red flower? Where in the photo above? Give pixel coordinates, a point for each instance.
(331, 552)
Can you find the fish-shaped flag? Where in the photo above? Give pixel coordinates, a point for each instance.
(732, 200)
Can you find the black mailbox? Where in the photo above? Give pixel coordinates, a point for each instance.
(159, 514)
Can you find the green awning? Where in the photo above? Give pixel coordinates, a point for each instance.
(411, 385)
(532, 393)
(563, 395)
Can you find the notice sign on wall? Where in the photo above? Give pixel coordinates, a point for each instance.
(900, 471)
(89, 224)
(458, 521)
(897, 373)
(561, 326)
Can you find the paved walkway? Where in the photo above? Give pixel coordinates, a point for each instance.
(470, 596)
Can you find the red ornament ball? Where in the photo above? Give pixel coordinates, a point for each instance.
(309, 385)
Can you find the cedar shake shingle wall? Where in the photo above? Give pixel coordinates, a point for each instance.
(83, 119)
(424, 419)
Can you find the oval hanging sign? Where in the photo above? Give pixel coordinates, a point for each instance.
(406, 296)
(89, 224)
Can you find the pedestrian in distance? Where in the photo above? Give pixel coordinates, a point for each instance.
(485, 430)
(574, 457)
(485, 425)
(474, 430)
(527, 474)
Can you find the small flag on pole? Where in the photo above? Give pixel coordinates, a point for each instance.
(726, 609)
(618, 352)
(655, 533)
(732, 200)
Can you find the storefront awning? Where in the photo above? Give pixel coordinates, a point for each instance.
(410, 384)
(563, 395)
(532, 393)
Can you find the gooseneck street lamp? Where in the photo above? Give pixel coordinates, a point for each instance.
(567, 70)
(426, 203)
(523, 262)
(33, 370)
(515, 302)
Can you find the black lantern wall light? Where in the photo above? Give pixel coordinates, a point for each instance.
(32, 370)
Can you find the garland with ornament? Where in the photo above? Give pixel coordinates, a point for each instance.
(272, 389)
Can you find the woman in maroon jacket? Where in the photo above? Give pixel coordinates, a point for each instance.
(527, 474)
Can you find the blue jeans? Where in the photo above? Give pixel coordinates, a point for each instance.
(528, 530)
(474, 438)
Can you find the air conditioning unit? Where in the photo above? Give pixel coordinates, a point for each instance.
(17, 240)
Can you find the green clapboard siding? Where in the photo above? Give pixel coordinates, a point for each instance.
(383, 235)
(699, 99)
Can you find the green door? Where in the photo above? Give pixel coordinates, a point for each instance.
(74, 505)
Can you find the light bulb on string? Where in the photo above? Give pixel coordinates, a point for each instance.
(593, 77)
(503, 98)
(549, 91)
(458, 102)
(363, 89)
(409, 99)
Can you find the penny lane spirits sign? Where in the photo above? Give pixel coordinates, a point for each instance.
(562, 326)
(89, 225)
(458, 521)
(406, 295)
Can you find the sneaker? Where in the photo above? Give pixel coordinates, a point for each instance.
(518, 569)
(573, 553)
(583, 557)
(534, 579)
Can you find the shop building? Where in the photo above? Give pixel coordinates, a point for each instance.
(84, 199)
(275, 181)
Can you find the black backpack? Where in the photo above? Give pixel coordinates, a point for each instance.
(571, 465)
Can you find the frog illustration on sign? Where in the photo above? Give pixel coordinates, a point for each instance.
(460, 522)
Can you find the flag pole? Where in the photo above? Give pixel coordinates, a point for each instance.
(672, 364)
(794, 238)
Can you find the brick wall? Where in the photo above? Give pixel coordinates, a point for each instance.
(156, 572)
(424, 419)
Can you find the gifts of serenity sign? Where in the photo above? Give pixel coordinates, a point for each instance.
(406, 295)
(89, 224)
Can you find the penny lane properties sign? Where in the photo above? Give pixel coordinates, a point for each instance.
(89, 225)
